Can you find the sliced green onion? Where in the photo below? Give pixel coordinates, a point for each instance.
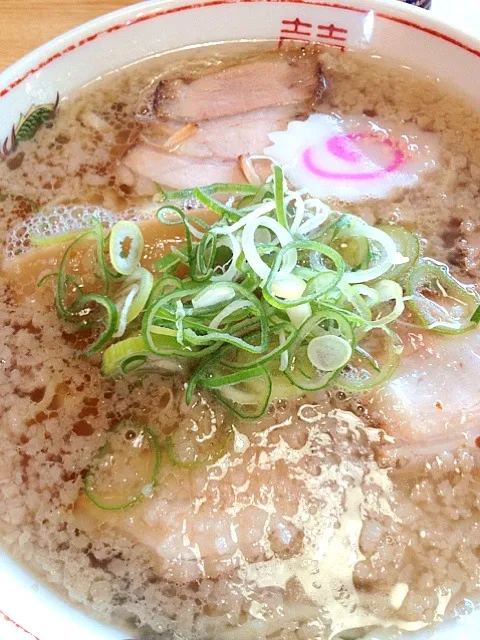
(279, 190)
(212, 295)
(301, 371)
(144, 279)
(408, 244)
(126, 246)
(229, 310)
(243, 359)
(379, 242)
(132, 297)
(388, 290)
(205, 257)
(165, 344)
(46, 277)
(230, 243)
(318, 283)
(329, 352)
(213, 335)
(288, 258)
(197, 334)
(438, 301)
(106, 272)
(65, 310)
(189, 246)
(125, 469)
(368, 358)
(355, 251)
(188, 448)
(218, 187)
(246, 393)
(291, 287)
(315, 288)
(133, 356)
(367, 370)
(329, 234)
(356, 301)
(110, 321)
(166, 284)
(282, 388)
(248, 273)
(217, 207)
(179, 316)
(169, 263)
(372, 296)
(47, 241)
(476, 315)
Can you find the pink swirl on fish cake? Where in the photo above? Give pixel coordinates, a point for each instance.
(341, 147)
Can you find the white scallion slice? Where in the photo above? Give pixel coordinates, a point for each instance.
(373, 361)
(291, 287)
(329, 352)
(355, 299)
(122, 321)
(132, 355)
(371, 295)
(299, 208)
(388, 290)
(211, 296)
(388, 248)
(261, 210)
(298, 315)
(284, 354)
(408, 244)
(126, 246)
(229, 310)
(311, 224)
(230, 241)
(253, 257)
(131, 299)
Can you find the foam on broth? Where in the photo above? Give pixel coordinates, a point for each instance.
(399, 542)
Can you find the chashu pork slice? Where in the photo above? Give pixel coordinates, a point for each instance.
(227, 138)
(185, 156)
(269, 498)
(432, 401)
(205, 128)
(271, 81)
(178, 171)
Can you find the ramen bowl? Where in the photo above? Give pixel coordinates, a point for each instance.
(34, 87)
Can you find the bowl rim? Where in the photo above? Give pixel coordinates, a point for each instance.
(400, 12)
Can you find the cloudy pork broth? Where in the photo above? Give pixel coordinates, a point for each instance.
(248, 410)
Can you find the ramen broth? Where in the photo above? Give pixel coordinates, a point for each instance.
(334, 515)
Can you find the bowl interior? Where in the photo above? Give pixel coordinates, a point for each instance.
(385, 28)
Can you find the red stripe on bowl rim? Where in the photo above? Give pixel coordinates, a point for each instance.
(19, 626)
(213, 3)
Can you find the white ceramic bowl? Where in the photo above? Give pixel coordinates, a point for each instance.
(386, 27)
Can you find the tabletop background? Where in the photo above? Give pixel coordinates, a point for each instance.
(25, 25)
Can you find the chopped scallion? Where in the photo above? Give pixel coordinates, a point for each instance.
(282, 296)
